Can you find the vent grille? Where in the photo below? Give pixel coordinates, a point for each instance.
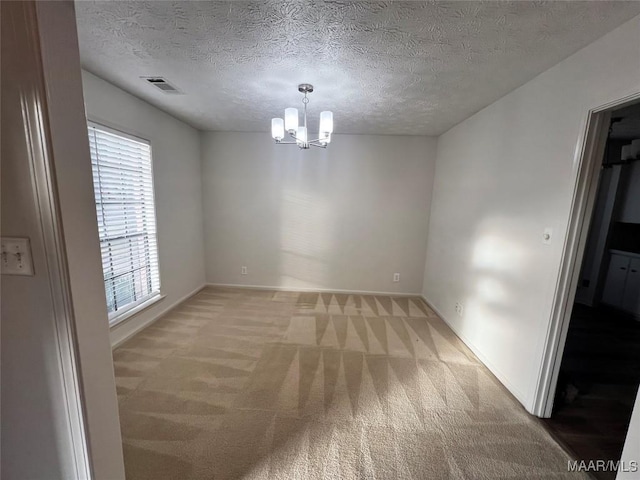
(162, 84)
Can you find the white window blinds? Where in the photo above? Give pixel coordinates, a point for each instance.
(123, 185)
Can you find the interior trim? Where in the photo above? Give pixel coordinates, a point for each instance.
(134, 310)
(36, 121)
(587, 158)
(519, 396)
(154, 318)
(311, 289)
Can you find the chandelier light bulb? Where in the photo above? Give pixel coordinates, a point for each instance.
(301, 136)
(326, 123)
(323, 137)
(291, 119)
(277, 129)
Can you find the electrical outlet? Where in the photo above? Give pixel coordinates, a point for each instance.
(396, 277)
(243, 270)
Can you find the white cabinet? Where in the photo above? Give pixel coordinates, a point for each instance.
(622, 284)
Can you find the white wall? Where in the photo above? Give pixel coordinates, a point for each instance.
(344, 218)
(178, 190)
(502, 176)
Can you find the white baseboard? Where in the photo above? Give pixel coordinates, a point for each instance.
(117, 340)
(515, 392)
(311, 289)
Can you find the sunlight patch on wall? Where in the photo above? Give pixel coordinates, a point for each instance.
(495, 252)
(492, 316)
(491, 290)
(306, 239)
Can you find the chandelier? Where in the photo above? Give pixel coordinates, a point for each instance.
(299, 133)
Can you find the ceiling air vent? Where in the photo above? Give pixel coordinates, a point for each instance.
(162, 84)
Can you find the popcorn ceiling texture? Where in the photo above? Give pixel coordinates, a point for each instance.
(382, 67)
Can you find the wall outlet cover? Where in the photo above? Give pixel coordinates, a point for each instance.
(15, 256)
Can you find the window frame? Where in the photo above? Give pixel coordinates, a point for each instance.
(133, 308)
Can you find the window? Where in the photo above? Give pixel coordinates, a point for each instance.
(123, 186)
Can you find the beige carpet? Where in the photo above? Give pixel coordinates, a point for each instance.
(278, 385)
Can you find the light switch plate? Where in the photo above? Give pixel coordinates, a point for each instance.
(15, 256)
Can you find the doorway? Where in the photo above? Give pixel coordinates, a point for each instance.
(599, 369)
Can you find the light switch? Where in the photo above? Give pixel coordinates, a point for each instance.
(547, 235)
(15, 256)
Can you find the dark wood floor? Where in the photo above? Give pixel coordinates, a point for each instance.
(598, 382)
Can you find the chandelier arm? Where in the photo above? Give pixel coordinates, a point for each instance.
(286, 143)
(319, 145)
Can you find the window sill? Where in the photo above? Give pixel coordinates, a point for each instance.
(118, 319)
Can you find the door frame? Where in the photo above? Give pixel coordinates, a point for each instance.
(588, 160)
(34, 116)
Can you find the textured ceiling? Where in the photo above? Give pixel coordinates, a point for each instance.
(382, 67)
